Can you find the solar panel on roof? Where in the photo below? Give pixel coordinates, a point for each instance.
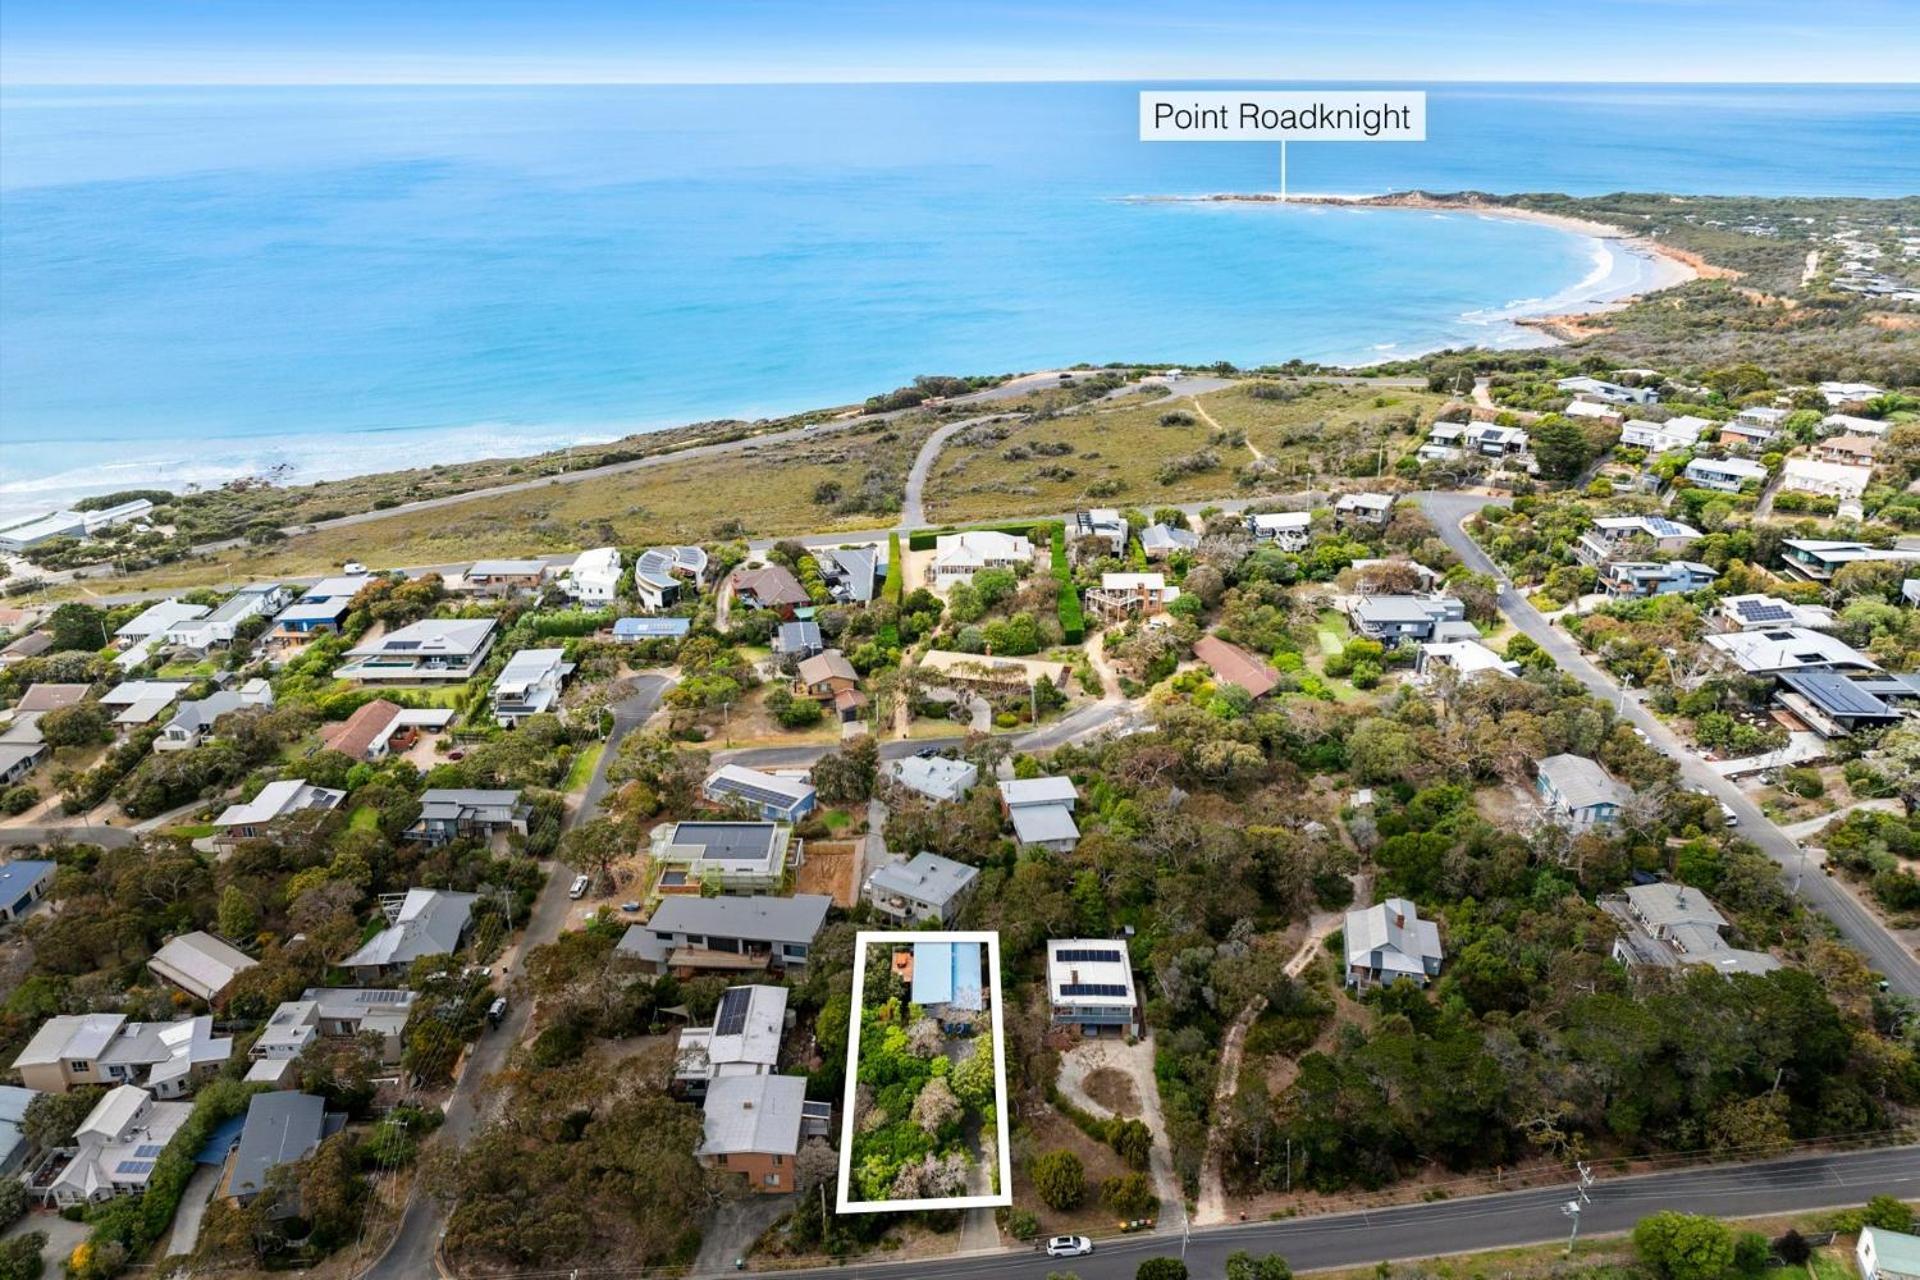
(1089, 957)
(758, 794)
(1093, 989)
(149, 1150)
(1763, 611)
(1665, 528)
(134, 1166)
(732, 1019)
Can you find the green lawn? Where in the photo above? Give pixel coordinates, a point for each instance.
(194, 831)
(364, 818)
(583, 766)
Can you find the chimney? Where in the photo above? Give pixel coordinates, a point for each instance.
(1399, 920)
(747, 1105)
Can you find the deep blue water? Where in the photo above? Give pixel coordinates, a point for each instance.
(201, 283)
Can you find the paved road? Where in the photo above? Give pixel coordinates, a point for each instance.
(1453, 1226)
(105, 837)
(913, 510)
(410, 1255)
(1891, 958)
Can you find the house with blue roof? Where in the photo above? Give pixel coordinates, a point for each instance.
(22, 884)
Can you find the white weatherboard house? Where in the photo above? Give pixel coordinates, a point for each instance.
(594, 577)
(78, 1050)
(1725, 474)
(114, 1150)
(529, 684)
(1658, 437)
(958, 556)
(421, 922)
(335, 1012)
(1090, 987)
(256, 817)
(1287, 530)
(220, 626)
(200, 965)
(935, 777)
(744, 1039)
(1389, 942)
(1041, 811)
(1826, 479)
(1887, 1255)
(1578, 793)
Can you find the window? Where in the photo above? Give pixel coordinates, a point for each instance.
(778, 1160)
(79, 1068)
(720, 1160)
(772, 1180)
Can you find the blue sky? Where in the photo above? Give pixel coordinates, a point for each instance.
(519, 41)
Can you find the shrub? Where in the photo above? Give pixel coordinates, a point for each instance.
(1161, 1269)
(1805, 783)
(18, 799)
(1129, 1195)
(1060, 1179)
(1684, 1246)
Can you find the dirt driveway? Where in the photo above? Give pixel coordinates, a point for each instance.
(1135, 1061)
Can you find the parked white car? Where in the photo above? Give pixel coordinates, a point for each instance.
(1069, 1247)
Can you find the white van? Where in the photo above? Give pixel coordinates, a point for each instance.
(579, 889)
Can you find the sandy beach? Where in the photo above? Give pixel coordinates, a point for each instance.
(1626, 266)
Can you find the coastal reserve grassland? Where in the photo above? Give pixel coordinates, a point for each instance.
(1242, 439)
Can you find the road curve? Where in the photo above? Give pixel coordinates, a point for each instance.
(1891, 958)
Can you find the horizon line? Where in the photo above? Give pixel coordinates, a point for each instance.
(12, 82)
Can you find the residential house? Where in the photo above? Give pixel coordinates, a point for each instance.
(19, 759)
(1394, 619)
(852, 574)
(1667, 925)
(947, 979)
(114, 1150)
(1388, 942)
(1287, 530)
(1597, 410)
(420, 922)
(281, 1129)
(20, 533)
(1090, 987)
(1881, 1254)
(1849, 424)
(1848, 450)
(828, 678)
(449, 649)
(336, 1013)
(1643, 579)
(661, 572)
(689, 935)
(744, 1040)
(732, 857)
(14, 1146)
(367, 734)
(1762, 613)
(1753, 427)
(752, 1126)
(321, 607)
(634, 630)
(1158, 541)
(1041, 811)
(1372, 509)
(797, 640)
(1839, 393)
(154, 621)
(1464, 657)
(1817, 560)
(1834, 705)
(924, 887)
(138, 702)
(765, 795)
(454, 813)
(958, 556)
(594, 576)
(193, 722)
(1492, 441)
(529, 684)
(1122, 594)
(502, 578)
(84, 1050)
(260, 817)
(771, 587)
(1610, 535)
(1725, 475)
(1103, 523)
(219, 627)
(41, 697)
(23, 883)
(1682, 432)
(1781, 649)
(935, 777)
(201, 965)
(1233, 665)
(1826, 479)
(31, 645)
(1608, 392)
(1578, 793)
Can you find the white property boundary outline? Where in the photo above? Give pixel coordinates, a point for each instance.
(863, 942)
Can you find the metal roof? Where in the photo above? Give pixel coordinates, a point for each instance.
(1580, 782)
(650, 628)
(752, 1114)
(280, 1129)
(1837, 695)
(926, 877)
(728, 841)
(761, 918)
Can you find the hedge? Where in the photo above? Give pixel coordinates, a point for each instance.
(570, 622)
(1073, 623)
(894, 590)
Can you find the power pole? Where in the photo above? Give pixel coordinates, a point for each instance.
(1572, 1209)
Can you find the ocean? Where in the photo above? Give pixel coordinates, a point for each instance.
(197, 284)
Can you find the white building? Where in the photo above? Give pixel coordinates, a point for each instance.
(594, 576)
(200, 965)
(116, 1147)
(1287, 530)
(529, 684)
(1827, 479)
(255, 818)
(1389, 942)
(1781, 649)
(220, 626)
(1090, 987)
(1658, 437)
(1041, 810)
(958, 556)
(1838, 393)
(1728, 475)
(935, 777)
